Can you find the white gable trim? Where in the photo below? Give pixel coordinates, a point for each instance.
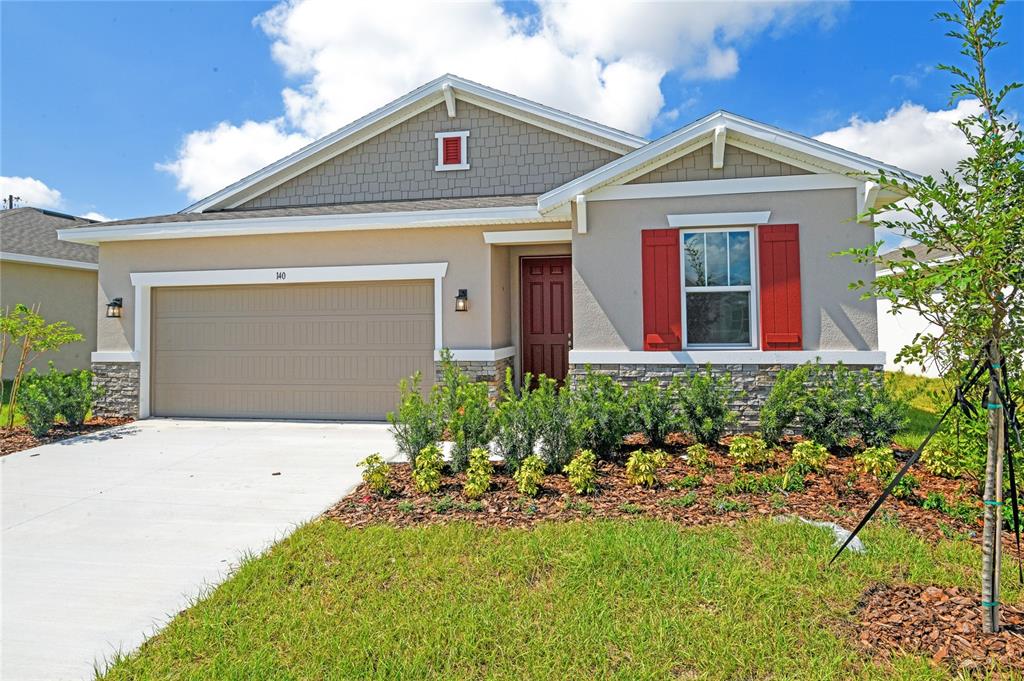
(528, 236)
(403, 108)
(49, 262)
(745, 185)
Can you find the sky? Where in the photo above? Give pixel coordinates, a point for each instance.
(124, 109)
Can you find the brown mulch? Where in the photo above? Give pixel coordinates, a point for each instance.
(834, 495)
(943, 623)
(18, 439)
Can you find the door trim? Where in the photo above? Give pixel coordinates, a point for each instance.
(143, 282)
(522, 317)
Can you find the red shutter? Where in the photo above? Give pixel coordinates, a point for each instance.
(662, 309)
(452, 152)
(779, 259)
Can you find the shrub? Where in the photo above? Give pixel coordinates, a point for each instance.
(783, 403)
(934, 501)
(809, 456)
(698, 455)
(530, 475)
(426, 472)
(688, 499)
(478, 475)
(469, 422)
(702, 402)
(728, 505)
(749, 451)
(876, 461)
(38, 403)
(580, 470)
(939, 459)
(563, 423)
(376, 474)
(905, 488)
(516, 425)
(446, 391)
(602, 400)
(415, 425)
(685, 482)
(74, 394)
(842, 404)
(652, 411)
(642, 467)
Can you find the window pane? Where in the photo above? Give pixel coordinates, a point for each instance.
(693, 253)
(739, 258)
(716, 245)
(718, 318)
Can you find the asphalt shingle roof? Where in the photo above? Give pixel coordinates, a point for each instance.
(33, 231)
(921, 252)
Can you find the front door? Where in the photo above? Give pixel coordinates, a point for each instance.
(546, 315)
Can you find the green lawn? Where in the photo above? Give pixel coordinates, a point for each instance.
(917, 391)
(604, 599)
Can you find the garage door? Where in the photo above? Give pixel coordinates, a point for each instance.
(304, 351)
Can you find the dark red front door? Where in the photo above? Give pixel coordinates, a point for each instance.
(546, 315)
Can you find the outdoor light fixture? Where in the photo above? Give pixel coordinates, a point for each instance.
(462, 300)
(114, 308)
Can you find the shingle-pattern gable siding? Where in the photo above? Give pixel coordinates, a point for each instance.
(738, 163)
(506, 156)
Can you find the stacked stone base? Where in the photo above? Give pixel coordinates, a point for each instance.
(491, 372)
(751, 382)
(120, 384)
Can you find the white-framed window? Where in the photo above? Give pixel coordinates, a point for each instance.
(718, 287)
(452, 150)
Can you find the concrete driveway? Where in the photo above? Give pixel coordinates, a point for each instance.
(107, 536)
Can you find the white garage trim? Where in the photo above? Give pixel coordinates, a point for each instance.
(145, 281)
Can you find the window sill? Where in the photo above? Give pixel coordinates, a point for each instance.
(454, 166)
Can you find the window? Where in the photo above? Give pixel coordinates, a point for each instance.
(452, 153)
(717, 287)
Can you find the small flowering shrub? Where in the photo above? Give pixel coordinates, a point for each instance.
(426, 472)
(876, 461)
(698, 455)
(810, 456)
(642, 467)
(376, 474)
(749, 451)
(581, 472)
(478, 475)
(530, 475)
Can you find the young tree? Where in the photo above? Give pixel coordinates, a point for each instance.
(28, 331)
(975, 212)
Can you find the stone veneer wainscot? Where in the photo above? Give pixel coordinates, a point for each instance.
(491, 372)
(120, 383)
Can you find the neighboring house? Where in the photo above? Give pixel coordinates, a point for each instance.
(896, 330)
(513, 234)
(57, 276)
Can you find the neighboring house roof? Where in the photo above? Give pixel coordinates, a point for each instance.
(448, 88)
(922, 253)
(29, 235)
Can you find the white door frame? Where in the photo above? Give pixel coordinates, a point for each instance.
(144, 282)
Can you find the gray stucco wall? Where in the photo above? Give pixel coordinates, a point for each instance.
(736, 163)
(506, 156)
(607, 303)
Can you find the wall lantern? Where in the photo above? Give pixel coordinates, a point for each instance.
(462, 300)
(114, 308)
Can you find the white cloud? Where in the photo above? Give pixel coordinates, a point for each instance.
(604, 61)
(31, 191)
(98, 217)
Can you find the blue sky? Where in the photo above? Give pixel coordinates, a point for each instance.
(95, 95)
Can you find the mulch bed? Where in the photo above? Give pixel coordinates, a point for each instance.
(943, 623)
(837, 494)
(19, 438)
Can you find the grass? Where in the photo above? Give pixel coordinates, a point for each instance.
(640, 599)
(916, 391)
(5, 394)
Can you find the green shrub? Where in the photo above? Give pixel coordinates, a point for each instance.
(749, 451)
(652, 410)
(842, 404)
(726, 505)
(469, 422)
(685, 482)
(416, 423)
(478, 475)
(72, 393)
(642, 467)
(906, 487)
(376, 474)
(426, 472)
(405, 507)
(699, 455)
(809, 456)
(876, 461)
(530, 475)
(702, 402)
(940, 459)
(446, 390)
(576, 505)
(688, 499)
(603, 401)
(934, 501)
(38, 403)
(517, 423)
(783, 403)
(768, 483)
(582, 476)
(563, 423)
(443, 505)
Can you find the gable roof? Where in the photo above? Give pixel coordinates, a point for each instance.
(798, 150)
(29, 235)
(448, 88)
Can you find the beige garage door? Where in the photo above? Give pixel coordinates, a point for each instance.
(304, 351)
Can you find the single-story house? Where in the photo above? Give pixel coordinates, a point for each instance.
(59, 277)
(511, 233)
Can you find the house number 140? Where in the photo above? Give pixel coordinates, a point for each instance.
(282, 275)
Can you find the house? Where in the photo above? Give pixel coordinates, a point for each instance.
(58, 276)
(511, 233)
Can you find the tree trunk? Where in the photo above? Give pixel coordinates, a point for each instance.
(992, 544)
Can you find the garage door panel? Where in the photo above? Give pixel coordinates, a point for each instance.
(290, 351)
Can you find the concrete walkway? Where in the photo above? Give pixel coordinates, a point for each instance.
(107, 536)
